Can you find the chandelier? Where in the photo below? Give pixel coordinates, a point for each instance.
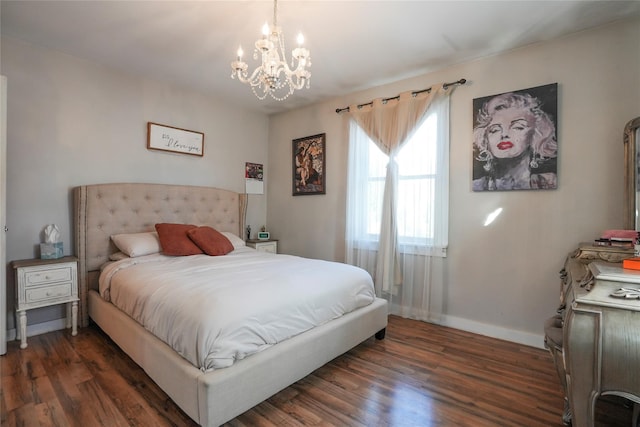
(274, 77)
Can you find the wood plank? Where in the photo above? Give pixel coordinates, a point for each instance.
(419, 375)
(51, 414)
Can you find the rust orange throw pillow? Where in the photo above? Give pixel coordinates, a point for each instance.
(174, 239)
(210, 240)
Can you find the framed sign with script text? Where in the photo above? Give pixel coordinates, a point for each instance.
(169, 138)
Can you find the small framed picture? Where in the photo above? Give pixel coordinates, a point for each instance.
(309, 165)
(169, 138)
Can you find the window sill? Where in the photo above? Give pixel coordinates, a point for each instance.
(405, 248)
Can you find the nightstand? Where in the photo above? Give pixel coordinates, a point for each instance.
(270, 245)
(45, 282)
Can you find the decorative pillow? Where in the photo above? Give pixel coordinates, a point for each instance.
(211, 241)
(137, 244)
(174, 239)
(235, 240)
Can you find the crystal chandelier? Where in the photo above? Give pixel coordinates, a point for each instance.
(274, 77)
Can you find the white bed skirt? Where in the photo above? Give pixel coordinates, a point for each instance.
(216, 397)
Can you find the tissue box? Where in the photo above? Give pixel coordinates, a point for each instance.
(51, 250)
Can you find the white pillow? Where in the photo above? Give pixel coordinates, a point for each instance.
(137, 244)
(235, 240)
(118, 256)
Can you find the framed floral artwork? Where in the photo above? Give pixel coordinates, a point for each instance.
(308, 155)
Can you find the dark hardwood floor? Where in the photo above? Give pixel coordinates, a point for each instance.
(419, 375)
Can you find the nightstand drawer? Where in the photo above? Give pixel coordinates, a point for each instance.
(46, 293)
(270, 246)
(48, 275)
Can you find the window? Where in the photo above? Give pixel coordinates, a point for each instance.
(417, 167)
(398, 198)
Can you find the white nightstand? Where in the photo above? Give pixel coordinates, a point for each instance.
(44, 282)
(270, 245)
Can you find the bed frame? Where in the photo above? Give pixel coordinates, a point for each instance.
(215, 397)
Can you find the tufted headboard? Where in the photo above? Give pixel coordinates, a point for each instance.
(102, 210)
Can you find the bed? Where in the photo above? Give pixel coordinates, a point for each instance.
(210, 396)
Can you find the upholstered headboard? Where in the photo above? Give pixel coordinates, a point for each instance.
(102, 210)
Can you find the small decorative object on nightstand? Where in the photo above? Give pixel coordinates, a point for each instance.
(263, 234)
(270, 245)
(41, 283)
(52, 247)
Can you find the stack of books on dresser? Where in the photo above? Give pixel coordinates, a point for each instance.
(618, 238)
(623, 239)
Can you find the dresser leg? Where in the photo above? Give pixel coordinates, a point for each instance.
(566, 413)
(74, 318)
(22, 326)
(583, 406)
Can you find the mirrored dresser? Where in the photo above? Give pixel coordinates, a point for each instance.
(595, 337)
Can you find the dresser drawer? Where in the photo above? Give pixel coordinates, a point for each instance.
(50, 275)
(46, 293)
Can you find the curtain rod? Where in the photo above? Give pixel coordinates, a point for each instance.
(445, 86)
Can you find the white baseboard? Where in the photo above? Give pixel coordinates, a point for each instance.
(525, 338)
(520, 337)
(39, 328)
(493, 331)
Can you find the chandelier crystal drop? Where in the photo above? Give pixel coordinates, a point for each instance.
(274, 77)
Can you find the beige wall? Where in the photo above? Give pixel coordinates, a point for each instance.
(501, 280)
(73, 122)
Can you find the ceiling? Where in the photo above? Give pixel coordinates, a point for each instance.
(354, 45)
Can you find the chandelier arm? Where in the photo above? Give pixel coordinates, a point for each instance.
(255, 79)
(242, 76)
(299, 82)
(284, 68)
(296, 79)
(239, 76)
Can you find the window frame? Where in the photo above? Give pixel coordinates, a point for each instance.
(407, 243)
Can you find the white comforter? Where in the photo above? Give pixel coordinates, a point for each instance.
(216, 310)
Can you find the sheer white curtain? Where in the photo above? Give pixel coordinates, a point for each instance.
(397, 198)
